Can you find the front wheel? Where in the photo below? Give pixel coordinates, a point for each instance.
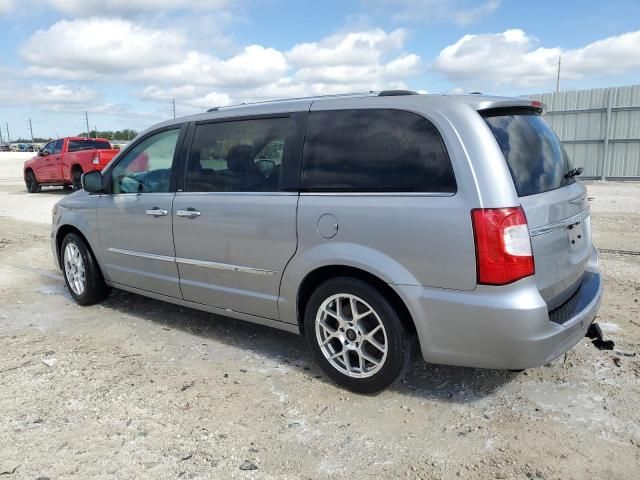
(81, 272)
(32, 183)
(356, 335)
(76, 179)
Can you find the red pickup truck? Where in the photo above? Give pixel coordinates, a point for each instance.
(63, 161)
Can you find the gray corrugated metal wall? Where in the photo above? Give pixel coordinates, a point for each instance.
(580, 118)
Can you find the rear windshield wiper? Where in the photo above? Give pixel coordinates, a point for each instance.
(574, 172)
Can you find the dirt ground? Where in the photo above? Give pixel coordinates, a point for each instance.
(137, 388)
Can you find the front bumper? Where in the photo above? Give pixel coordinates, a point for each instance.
(506, 327)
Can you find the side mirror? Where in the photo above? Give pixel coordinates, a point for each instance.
(41, 153)
(92, 182)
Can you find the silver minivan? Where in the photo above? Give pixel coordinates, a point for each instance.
(369, 223)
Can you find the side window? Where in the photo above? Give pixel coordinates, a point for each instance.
(147, 167)
(374, 151)
(58, 146)
(238, 156)
(49, 147)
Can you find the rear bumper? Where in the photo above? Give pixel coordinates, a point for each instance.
(506, 327)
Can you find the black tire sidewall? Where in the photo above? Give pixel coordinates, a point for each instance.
(76, 179)
(396, 335)
(32, 182)
(95, 287)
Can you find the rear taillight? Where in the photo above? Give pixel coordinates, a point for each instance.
(503, 246)
(96, 160)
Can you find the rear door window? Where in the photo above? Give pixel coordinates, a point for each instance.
(537, 160)
(240, 155)
(374, 150)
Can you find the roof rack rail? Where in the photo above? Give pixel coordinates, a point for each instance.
(314, 97)
(396, 93)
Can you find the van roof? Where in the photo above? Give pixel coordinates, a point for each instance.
(476, 101)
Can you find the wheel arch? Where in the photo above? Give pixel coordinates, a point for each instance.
(320, 275)
(29, 169)
(62, 232)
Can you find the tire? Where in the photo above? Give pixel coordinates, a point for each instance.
(76, 179)
(321, 327)
(32, 183)
(81, 271)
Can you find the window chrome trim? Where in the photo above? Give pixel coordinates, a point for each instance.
(196, 263)
(534, 232)
(270, 194)
(378, 194)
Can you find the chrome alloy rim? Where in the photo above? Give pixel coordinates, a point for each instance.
(351, 335)
(74, 268)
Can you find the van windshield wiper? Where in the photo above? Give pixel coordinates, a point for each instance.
(574, 172)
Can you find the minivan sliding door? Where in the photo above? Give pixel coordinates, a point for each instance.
(235, 220)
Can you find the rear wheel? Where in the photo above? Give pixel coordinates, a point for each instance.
(356, 336)
(32, 183)
(76, 178)
(81, 272)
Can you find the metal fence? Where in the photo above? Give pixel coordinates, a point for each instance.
(600, 129)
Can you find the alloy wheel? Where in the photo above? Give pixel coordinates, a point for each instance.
(74, 268)
(351, 335)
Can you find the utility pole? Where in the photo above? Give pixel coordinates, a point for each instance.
(1, 140)
(86, 117)
(173, 106)
(558, 78)
(31, 129)
(95, 131)
(6, 124)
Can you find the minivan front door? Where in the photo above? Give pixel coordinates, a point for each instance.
(134, 219)
(235, 221)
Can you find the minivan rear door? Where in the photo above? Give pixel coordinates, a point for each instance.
(555, 204)
(234, 220)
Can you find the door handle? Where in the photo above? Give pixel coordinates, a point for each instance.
(189, 213)
(157, 212)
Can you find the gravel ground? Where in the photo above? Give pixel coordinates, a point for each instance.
(136, 388)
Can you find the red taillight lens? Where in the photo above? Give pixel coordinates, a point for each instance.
(503, 246)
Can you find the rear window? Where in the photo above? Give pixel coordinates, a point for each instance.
(77, 145)
(374, 150)
(537, 160)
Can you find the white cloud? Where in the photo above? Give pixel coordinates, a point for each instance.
(255, 65)
(85, 48)
(340, 63)
(6, 6)
(461, 12)
(50, 96)
(125, 52)
(349, 58)
(357, 48)
(512, 58)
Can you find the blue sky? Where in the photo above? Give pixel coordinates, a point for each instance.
(124, 60)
